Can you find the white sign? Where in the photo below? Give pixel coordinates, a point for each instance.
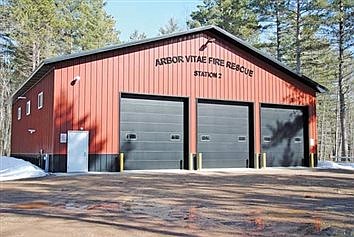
(62, 137)
(312, 142)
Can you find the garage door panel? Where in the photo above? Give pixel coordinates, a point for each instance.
(156, 146)
(152, 164)
(150, 118)
(221, 147)
(149, 107)
(223, 129)
(225, 163)
(282, 134)
(223, 110)
(225, 137)
(222, 155)
(156, 127)
(286, 160)
(227, 130)
(153, 136)
(151, 133)
(152, 156)
(221, 121)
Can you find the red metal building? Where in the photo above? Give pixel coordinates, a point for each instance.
(160, 100)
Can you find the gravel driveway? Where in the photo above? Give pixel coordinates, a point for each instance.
(270, 202)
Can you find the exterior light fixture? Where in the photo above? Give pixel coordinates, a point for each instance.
(31, 130)
(76, 79)
(211, 40)
(21, 97)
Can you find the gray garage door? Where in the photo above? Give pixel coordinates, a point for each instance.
(151, 133)
(223, 135)
(282, 135)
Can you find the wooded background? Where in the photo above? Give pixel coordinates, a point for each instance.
(315, 38)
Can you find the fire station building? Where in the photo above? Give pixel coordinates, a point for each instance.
(161, 100)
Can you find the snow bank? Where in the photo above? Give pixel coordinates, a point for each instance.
(332, 165)
(12, 169)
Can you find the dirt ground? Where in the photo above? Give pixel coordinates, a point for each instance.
(271, 202)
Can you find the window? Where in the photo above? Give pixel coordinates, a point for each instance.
(28, 107)
(18, 113)
(40, 100)
(241, 138)
(175, 137)
(130, 136)
(205, 138)
(297, 140)
(266, 139)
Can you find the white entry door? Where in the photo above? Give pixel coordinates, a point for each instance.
(77, 151)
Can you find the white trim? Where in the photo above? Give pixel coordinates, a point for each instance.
(19, 113)
(40, 100)
(28, 107)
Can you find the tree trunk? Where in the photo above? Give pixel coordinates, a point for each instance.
(322, 136)
(337, 137)
(342, 109)
(33, 56)
(278, 30)
(297, 37)
(5, 111)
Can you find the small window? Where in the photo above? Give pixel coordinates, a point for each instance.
(241, 138)
(28, 107)
(175, 137)
(130, 136)
(266, 139)
(40, 100)
(205, 138)
(19, 113)
(297, 140)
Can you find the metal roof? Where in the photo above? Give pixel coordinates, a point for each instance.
(47, 64)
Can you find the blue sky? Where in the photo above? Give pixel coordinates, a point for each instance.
(148, 15)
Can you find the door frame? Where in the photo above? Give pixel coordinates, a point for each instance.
(183, 99)
(87, 149)
(250, 106)
(306, 134)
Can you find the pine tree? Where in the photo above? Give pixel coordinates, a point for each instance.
(272, 15)
(8, 76)
(137, 36)
(340, 30)
(170, 27)
(83, 25)
(236, 17)
(33, 30)
(305, 18)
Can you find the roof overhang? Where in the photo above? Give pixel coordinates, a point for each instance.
(47, 64)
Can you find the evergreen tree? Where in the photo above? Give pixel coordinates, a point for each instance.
(272, 16)
(137, 36)
(340, 30)
(33, 30)
(83, 25)
(305, 18)
(170, 27)
(236, 17)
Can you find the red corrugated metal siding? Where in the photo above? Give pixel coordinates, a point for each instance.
(96, 97)
(41, 120)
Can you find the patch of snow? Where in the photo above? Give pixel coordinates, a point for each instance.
(332, 165)
(12, 168)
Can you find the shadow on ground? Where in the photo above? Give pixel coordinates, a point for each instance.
(284, 203)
